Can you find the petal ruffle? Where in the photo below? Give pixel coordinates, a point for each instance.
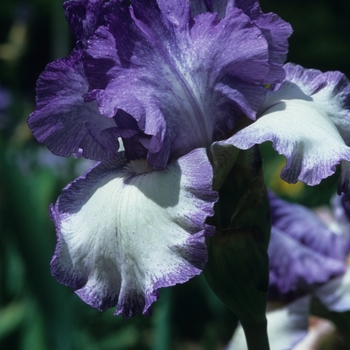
(124, 230)
(308, 121)
(304, 226)
(64, 121)
(175, 73)
(84, 16)
(275, 30)
(295, 269)
(303, 252)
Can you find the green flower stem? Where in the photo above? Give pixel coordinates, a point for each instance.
(256, 336)
(238, 265)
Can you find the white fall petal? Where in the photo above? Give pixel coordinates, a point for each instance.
(308, 121)
(125, 230)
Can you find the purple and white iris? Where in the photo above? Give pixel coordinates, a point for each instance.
(307, 118)
(307, 260)
(167, 80)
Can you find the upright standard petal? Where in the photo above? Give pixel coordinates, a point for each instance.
(125, 230)
(84, 16)
(307, 118)
(275, 30)
(175, 73)
(64, 121)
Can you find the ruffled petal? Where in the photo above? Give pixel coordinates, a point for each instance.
(63, 121)
(275, 30)
(308, 121)
(125, 230)
(295, 269)
(84, 16)
(304, 226)
(304, 252)
(286, 326)
(175, 73)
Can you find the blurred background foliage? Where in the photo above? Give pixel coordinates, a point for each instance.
(35, 311)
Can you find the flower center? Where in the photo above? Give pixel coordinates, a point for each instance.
(138, 166)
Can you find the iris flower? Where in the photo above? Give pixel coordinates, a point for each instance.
(307, 118)
(158, 93)
(307, 261)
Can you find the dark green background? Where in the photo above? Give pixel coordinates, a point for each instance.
(35, 311)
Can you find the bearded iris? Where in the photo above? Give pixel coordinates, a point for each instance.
(175, 81)
(307, 118)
